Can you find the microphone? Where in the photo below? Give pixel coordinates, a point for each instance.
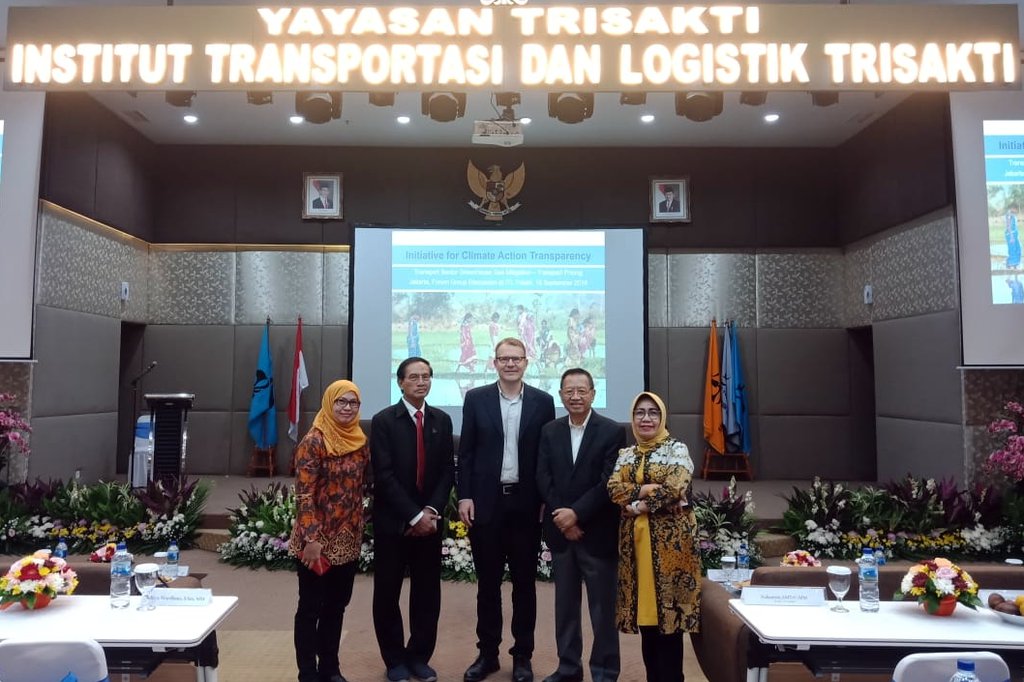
(146, 371)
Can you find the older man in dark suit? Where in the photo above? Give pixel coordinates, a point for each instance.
(581, 526)
(498, 500)
(412, 452)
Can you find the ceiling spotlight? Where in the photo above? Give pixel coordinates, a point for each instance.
(403, 119)
(382, 99)
(318, 107)
(647, 118)
(634, 98)
(259, 97)
(771, 118)
(571, 107)
(296, 119)
(191, 119)
(824, 99)
(180, 98)
(699, 106)
(754, 98)
(526, 120)
(443, 106)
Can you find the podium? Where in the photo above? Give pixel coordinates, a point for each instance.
(168, 418)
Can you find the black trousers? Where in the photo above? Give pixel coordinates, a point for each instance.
(663, 654)
(392, 555)
(574, 567)
(318, 620)
(513, 537)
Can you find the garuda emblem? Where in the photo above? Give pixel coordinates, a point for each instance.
(495, 190)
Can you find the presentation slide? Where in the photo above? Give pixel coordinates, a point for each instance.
(988, 155)
(453, 294)
(1004, 182)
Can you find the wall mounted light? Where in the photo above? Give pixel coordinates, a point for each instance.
(570, 107)
(318, 107)
(259, 97)
(443, 106)
(699, 106)
(824, 99)
(180, 98)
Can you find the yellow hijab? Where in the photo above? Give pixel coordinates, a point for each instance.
(340, 439)
(643, 446)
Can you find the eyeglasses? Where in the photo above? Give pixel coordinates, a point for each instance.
(417, 377)
(343, 404)
(573, 392)
(510, 359)
(653, 414)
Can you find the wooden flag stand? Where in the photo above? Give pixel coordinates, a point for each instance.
(732, 463)
(262, 459)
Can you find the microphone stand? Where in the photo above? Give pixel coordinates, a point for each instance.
(135, 418)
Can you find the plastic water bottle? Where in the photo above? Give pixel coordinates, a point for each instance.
(172, 560)
(868, 581)
(964, 671)
(61, 550)
(742, 558)
(879, 557)
(120, 578)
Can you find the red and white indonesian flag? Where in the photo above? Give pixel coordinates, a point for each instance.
(299, 382)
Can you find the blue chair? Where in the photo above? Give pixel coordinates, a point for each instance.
(989, 667)
(57, 660)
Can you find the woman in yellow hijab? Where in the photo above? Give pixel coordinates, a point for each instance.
(331, 470)
(659, 562)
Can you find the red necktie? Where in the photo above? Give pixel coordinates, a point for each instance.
(421, 454)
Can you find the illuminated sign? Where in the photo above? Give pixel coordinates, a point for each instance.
(594, 48)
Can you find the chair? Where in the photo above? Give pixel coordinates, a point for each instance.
(34, 660)
(989, 667)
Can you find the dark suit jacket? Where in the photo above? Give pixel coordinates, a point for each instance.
(483, 441)
(319, 203)
(583, 486)
(396, 501)
(666, 207)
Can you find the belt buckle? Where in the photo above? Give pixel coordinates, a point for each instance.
(508, 488)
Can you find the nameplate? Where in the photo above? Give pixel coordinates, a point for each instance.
(172, 596)
(783, 596)
(739, 575)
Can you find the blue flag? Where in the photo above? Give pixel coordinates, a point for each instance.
(734, 399)
(262, 416)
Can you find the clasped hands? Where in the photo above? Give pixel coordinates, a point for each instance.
(565, 520)
(427, 525)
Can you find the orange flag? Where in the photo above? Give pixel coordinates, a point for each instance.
(713, 433)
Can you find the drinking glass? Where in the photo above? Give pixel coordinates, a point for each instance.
(728, 571)
(839, 583)
(145, 579)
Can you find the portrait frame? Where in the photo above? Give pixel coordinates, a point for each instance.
(659, 186)
(312, 199)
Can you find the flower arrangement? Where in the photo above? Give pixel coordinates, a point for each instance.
(799, 557)
(104, 553)
(35, 580)
(935, 580)
(723, 524)
(1008, 460)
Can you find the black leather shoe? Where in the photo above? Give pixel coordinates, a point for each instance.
(481, 668)
(562, 677)
(336, 678)
(522, 671)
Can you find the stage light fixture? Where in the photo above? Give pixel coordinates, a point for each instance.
(318, 107)
(259, 97)
(633, 98)
(443, 106)
(382, 99)
(507, 99)
(699, 106)
(824, 98)
(570, 107)
(754, 98)
(180, 98)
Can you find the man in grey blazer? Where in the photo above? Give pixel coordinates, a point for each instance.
(498, 500)
(581, 526)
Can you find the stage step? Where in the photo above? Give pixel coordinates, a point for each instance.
(774, 545)
(209, 538)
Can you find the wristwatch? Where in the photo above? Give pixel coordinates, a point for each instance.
(635, 505)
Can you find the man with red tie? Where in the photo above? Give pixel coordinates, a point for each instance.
(412, 453)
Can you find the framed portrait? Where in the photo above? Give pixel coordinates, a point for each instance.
(321, 196)
(670, 199)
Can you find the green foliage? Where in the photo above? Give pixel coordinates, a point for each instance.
(260, 528)
(723, 523)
